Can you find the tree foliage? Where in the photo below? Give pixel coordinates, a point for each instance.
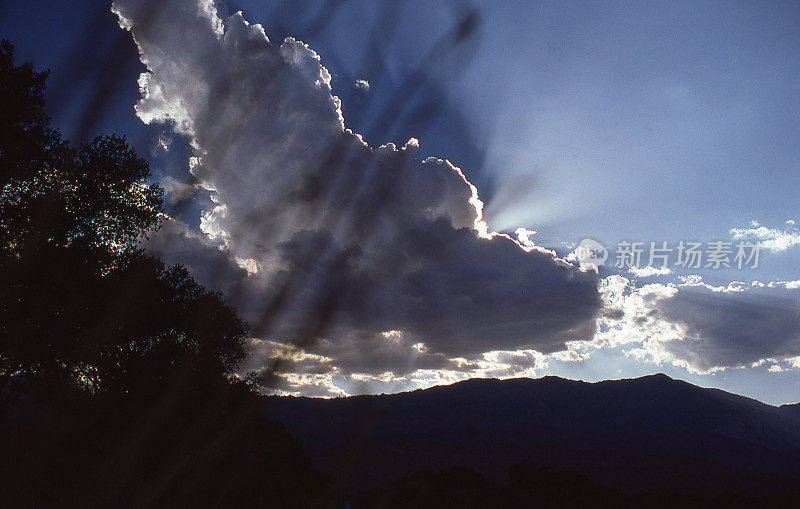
(115, 384)
(81, 305)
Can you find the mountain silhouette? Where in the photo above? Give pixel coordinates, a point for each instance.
(791, 410)
(651, 434)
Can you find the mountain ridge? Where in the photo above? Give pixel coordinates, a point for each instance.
(621, 433)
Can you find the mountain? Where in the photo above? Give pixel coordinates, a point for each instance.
(791, 410)
(651, 434)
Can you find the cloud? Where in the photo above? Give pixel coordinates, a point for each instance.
(773, 239)
(701, 327)
(368, 258)
(365, 269)
(288, 370)
(650, 271)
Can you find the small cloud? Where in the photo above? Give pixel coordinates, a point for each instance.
(248, 264)
(361, 85)
(772, 239)
(161, 145)
(650, 271)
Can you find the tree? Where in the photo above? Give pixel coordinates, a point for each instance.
(115, 384)
(81, 305)
(24, 130)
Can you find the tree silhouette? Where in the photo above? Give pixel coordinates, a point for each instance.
(115, 370)
(81, 305)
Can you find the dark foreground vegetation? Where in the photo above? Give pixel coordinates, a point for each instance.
(116, 372)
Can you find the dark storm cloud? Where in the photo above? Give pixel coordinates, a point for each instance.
(702, 327)
(731, 329)
(319, 239)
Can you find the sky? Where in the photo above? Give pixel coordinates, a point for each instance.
(357, 191)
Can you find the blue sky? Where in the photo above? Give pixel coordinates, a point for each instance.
(663, 121)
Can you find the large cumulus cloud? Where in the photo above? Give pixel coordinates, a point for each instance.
(368, 257)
